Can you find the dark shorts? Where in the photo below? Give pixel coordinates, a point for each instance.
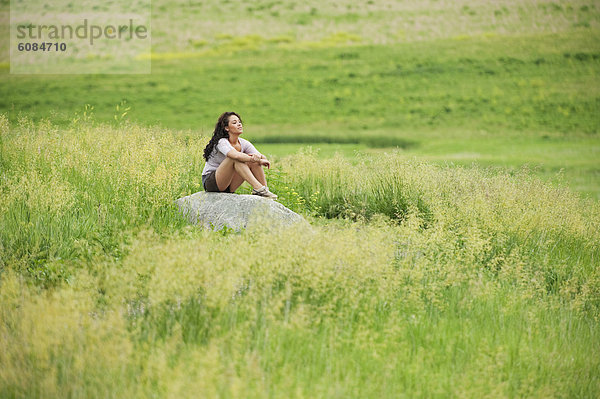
(210, 183)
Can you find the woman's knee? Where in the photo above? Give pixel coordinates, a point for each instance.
(239, 164)
(227, 164)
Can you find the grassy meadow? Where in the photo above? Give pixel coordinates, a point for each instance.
(414, 279)
(503, 83)
(444, 153)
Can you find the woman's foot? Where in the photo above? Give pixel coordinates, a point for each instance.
(264, 192)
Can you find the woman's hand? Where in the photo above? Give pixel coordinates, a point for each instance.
(265, 162)
(255, 158)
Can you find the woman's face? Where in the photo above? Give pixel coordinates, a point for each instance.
(235, 125)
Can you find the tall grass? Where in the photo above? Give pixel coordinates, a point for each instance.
(414, 280)
(489, 215)
(74, 193)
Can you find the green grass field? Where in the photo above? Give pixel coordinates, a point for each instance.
(505, 101)
(414, 279)
(444, 153)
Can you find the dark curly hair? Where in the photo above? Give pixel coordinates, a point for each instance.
(219, 133)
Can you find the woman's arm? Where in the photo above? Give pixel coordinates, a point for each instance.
(241, 157)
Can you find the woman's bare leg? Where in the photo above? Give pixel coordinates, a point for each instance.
(244, 171)
(258, 172)
(236, 182)
(224, 173)
(227, 171)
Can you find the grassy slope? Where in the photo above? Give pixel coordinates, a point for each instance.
(497, 100)
(500, 84)
(541, 83)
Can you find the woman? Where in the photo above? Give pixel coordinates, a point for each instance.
(231, 160)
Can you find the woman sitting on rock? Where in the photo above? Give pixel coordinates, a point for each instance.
(231, 160)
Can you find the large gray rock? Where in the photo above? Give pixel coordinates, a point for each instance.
(236, 211)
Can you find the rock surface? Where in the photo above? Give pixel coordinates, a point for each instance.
(236, 211)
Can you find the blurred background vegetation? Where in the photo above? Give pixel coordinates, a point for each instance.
(503, 83)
